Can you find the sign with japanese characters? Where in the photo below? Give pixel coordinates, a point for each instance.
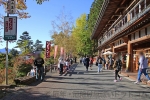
(48, 46)
(10, 28)
(11, 7)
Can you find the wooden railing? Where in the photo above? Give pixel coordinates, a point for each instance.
(136, 17)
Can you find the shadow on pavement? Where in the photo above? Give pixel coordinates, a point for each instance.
(72, 69)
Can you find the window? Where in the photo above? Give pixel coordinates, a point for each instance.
(146, 31)
(139, 34)
(125, 19)
(132, 14)
(142, 32)
(137, 10)
(147, 3)
(136, 35)
(142, 5)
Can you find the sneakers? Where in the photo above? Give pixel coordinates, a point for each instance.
(115, 80)
(120, 79)
(136, 82)
(148, 81)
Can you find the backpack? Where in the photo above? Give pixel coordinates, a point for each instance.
(99, 61)
(119, 64)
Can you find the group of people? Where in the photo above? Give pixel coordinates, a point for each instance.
(116, 64)
(64, 64)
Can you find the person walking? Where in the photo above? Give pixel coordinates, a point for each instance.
(99, 62)
(91, 62)
(67, 64)
(117, 67)
(61, 64)
(83, 60)
(107, 63)
(87, 61)
(39, 61)
(80, 60)
(143, 65)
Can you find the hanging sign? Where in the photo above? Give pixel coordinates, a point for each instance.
(11, 7)
(48, 46)
(10, 28)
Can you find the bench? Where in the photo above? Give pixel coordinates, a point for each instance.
(25, 80)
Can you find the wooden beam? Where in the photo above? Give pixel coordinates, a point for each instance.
(123, 1)
(120, 8)
(125, 39)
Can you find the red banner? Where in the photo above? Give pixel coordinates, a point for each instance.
(55, 52)
(48, 47)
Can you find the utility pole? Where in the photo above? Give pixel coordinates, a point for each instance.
(6, 66)
(8, 29)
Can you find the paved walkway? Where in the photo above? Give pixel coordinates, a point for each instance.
(81, 85)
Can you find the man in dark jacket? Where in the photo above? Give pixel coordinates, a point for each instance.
(87, 61)
(39, 61)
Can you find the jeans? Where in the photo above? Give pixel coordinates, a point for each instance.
(140, 72)
(116, 74)
(41, 73)
(32, 74)
(99, 67)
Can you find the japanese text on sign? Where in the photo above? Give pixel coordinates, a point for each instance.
(11, 6)
(48, 44)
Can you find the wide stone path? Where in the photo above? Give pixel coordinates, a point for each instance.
(81, 85)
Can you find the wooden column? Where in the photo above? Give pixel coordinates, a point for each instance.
(112, 48)
(130, 57)
(137, 60)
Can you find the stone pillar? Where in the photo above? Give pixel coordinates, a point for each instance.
(129, 66)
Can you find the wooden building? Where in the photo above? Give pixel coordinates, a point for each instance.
(123, 27)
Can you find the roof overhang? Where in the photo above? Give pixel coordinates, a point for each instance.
(110, 9)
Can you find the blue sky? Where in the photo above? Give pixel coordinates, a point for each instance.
(39, 25)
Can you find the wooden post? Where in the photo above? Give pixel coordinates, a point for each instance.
(130, 57)
(112, 48)
(137, 60)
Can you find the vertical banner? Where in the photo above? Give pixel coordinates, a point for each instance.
(55, 52)
(48, 46)
(62, 52)
(64, 55)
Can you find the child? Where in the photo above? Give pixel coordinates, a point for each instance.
(67, 64)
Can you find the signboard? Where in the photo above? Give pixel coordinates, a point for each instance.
(11, 7)
(48, 46)
(10, 28)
